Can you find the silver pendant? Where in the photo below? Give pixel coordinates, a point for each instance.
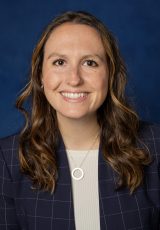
(79, 171)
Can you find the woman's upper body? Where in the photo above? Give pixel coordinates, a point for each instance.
(77, 91)
(23, 207)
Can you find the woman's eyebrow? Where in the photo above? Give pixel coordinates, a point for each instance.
(99, 56)
(54, 54)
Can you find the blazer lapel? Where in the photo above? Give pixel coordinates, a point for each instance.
(106, 190)
(63, 191)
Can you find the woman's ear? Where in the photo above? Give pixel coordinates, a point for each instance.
(42, 82)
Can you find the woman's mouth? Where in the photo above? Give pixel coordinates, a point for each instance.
(74, 96)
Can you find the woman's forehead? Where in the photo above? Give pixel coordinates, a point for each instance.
(71, 35)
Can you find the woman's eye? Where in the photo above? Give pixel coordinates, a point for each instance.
(59, 62)
(90, 63)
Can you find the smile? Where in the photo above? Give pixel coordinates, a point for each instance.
(73, 95)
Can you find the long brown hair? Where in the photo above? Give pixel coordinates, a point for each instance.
(118, 121)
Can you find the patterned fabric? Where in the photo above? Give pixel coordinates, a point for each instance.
(24, 208)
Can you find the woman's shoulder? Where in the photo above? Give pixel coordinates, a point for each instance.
(149, 136)
(9, 142)
(149, 131)
(9, 149)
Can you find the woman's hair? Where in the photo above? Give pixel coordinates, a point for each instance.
(118, 121)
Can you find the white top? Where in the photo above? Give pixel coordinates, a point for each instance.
(85, 191)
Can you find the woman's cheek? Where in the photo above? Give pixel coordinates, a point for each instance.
(51, 80)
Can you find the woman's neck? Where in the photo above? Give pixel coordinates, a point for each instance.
(79, 134)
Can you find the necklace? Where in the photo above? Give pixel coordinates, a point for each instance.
(78, 173)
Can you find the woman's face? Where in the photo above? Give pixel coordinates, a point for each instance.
(75, 72)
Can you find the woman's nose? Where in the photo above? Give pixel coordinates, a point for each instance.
(74, 77)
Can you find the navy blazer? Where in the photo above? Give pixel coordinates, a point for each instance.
(23, 208)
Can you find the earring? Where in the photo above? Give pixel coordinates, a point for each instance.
(42, 86)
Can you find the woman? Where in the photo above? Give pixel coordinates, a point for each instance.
(83, 159)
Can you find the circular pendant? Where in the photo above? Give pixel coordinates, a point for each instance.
(78, 171)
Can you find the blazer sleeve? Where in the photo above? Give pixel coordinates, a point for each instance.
(8, 217)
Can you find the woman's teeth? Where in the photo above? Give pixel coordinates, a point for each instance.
(74, 95)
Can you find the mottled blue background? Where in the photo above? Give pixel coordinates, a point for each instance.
(136, 25)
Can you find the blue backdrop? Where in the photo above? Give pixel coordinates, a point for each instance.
(134, 23)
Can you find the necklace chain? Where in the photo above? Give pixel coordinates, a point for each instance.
(79, 169)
